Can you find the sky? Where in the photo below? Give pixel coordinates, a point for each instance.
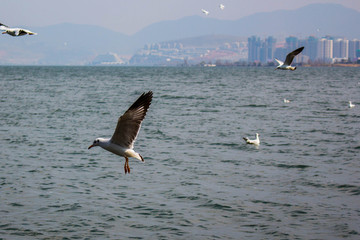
(130, 16)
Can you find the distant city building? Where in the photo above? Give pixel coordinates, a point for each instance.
(261, 51)
(354, 45)
(311, 48)
(254, 49)
(325, 50)
(291, 43)
(341, 48)
(269, 48)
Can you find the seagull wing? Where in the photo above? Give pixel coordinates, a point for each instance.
(279, 62)
(25, 31)
(29, 32)
(290, 56)
(3, 27)
(129, 123)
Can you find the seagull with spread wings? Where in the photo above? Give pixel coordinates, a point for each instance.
(289, 58)
(127, 129)
(15, 32)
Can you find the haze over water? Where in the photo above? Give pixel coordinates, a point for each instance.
(199, 180)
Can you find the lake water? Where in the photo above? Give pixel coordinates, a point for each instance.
(199, 180)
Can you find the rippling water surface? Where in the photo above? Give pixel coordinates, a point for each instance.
(200, 180)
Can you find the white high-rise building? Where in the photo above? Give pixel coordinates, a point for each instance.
(341, 48)
(325, 50)
(354, 45)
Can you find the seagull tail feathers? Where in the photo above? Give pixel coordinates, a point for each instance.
(138, 156)
(132, 153)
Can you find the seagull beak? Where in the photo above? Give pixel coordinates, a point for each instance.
(90, 146)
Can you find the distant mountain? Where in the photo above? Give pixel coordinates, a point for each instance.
(63, 44)
(79, 44)
(329, 19)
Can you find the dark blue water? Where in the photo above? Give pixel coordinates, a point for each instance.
(199, 180)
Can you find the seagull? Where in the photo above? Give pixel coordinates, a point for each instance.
(351, 105)
(289, 58)
(15, 32)
(204, 11)
(286, 100)
(221, 6)
(255, 141)
(127, 129)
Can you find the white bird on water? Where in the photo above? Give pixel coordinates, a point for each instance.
(127, 129)
(15, 32)
(255, 141)
(204, 11)
(351, 105)
(221, 6)
(286, 100)
(289, 58)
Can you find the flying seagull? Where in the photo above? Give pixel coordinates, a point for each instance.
(255, 141)
(221, 6)
(351, 105)
(15, 32)
(289, 58)
(204, 11)
(127, 129)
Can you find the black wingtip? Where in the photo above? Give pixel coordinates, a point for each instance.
(300, 49)
(144, 100)
(142, 159)
(149, 94)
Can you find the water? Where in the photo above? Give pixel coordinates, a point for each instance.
(200, 180)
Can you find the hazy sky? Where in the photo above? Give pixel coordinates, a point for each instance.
(130, 16)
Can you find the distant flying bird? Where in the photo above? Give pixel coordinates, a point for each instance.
(289, 58)
(351, 105)
(221, 6)
(286, 100)
(15, 32)
(127, 129)
(204, 11)
(255, 141)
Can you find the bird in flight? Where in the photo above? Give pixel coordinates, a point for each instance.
(205, 12)
(289, 58)
(15, 32)
(126, 131)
